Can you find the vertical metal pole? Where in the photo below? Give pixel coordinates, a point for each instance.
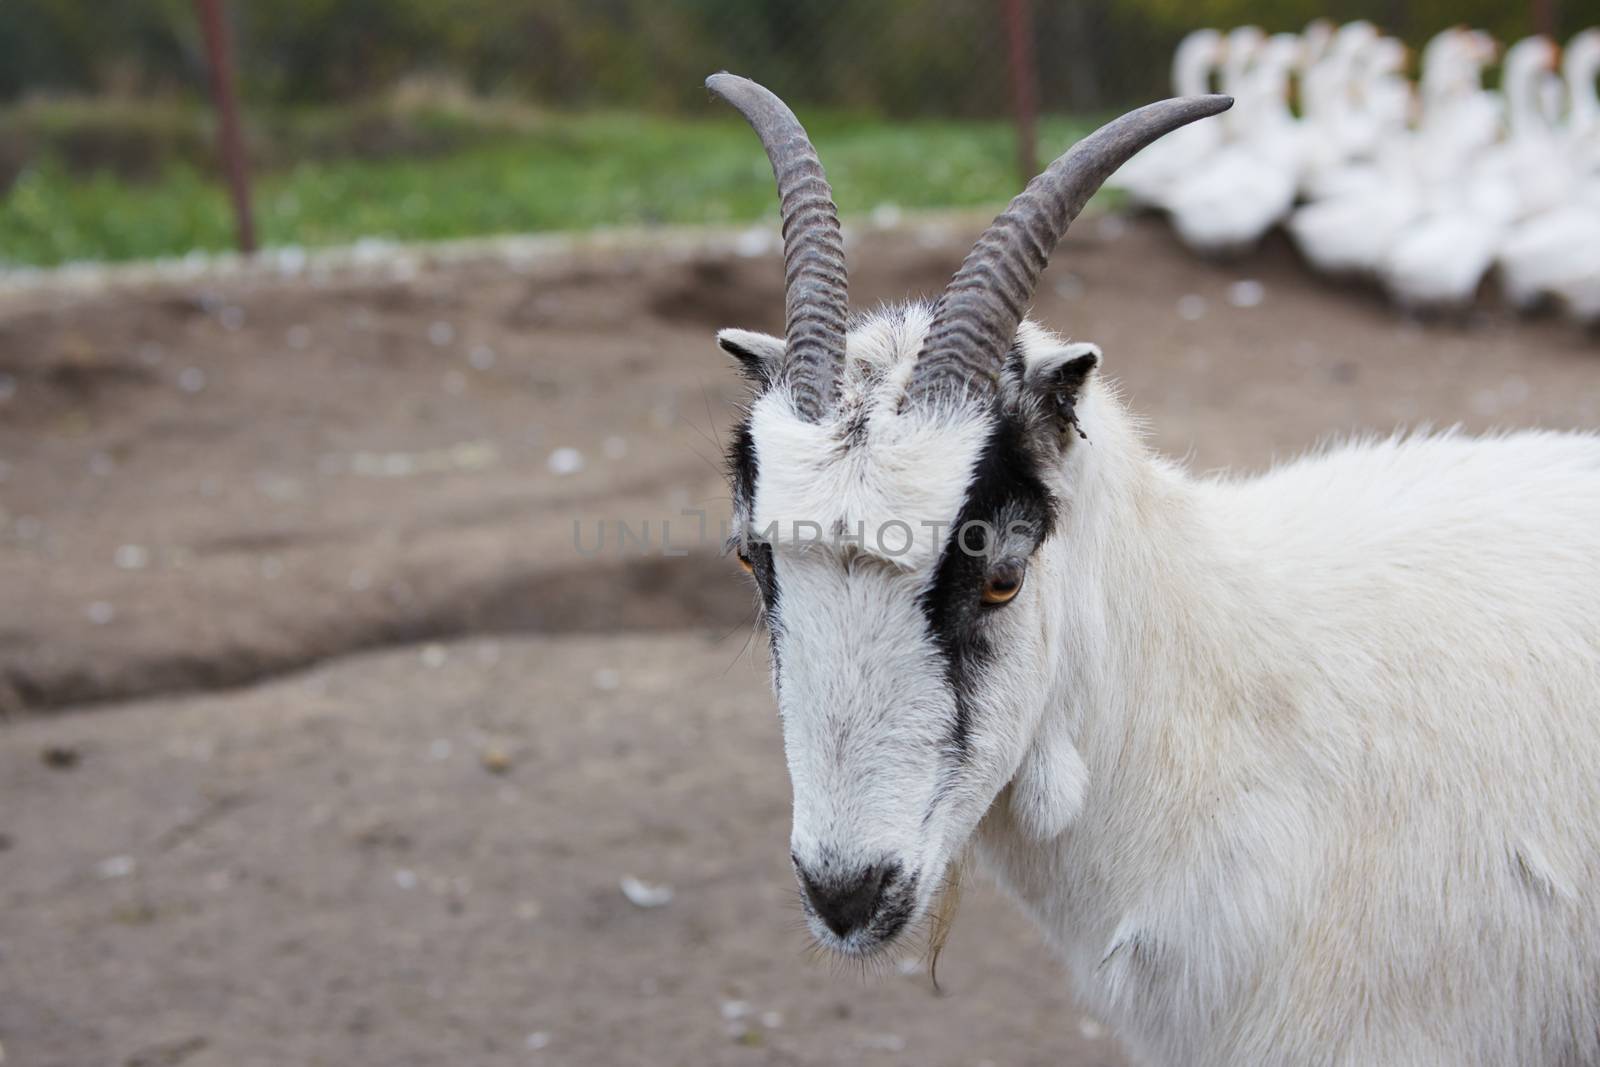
(1544, 17)
(231, 141)
(1024, 84)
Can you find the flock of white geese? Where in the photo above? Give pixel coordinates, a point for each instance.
(1427, 187)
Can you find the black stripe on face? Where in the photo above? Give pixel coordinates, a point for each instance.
(742, 472)
(742, 467)
(1005, 492)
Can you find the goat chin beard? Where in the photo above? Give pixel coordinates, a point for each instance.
(942, 916)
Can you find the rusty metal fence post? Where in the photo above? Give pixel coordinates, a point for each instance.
(229, 136)
(1545, 17)
(1024, 84)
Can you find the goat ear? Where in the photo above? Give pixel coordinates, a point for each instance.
(1057, 375)
(759, 354)
(1051, 786)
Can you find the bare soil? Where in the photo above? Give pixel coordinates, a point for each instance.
(326, 746)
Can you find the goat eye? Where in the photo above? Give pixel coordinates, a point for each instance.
(744, 561)
(1003, 582)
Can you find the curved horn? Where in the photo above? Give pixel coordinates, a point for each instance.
(976, 319)
(815, 287)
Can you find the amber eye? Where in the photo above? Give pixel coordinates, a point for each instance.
(1004, 582)
(744, 561)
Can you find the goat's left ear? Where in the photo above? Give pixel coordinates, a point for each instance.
(1057, 376)
(759, 354)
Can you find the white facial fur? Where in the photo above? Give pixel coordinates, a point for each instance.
(858, 511)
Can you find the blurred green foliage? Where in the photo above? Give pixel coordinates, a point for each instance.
(611, 52)
(544, 114)
(557, 173)
(898, 56)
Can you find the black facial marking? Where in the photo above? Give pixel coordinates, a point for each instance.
(895, 909)
(766, 577)
(1005, 489)
(742, 471)
(742, 466)
(1016, 360)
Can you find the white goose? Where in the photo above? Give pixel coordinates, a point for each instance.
(1439, 261)
(1580, 66)
(1233, 198)
(1384, 94)
(1369, 117)
(1459, 118)
(1532, 159)
(1557, 252)
(1360, 206)
(1315, 40)
(1240, 52)
(1147, 176)
(1350, 233)
(1325, 90)
(1425, 187)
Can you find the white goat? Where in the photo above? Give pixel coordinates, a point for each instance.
(1296, 770)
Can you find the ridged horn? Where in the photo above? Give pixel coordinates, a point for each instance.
(976, 319)
(815, 295)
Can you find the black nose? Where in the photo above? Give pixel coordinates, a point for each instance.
(845, 901)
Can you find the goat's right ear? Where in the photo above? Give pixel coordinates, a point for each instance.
(760, 355)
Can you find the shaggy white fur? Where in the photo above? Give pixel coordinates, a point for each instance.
(1295, 769)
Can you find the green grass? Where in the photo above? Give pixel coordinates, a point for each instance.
(540, 173)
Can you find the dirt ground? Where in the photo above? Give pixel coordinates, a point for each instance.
(324, 744)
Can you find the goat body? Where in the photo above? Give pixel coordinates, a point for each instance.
(1339, 732)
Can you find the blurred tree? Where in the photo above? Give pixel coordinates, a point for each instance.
(308, 50)
(81, 45)
(905, 57)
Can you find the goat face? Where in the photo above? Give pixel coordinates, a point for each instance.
(893, 485)
(902, 562)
